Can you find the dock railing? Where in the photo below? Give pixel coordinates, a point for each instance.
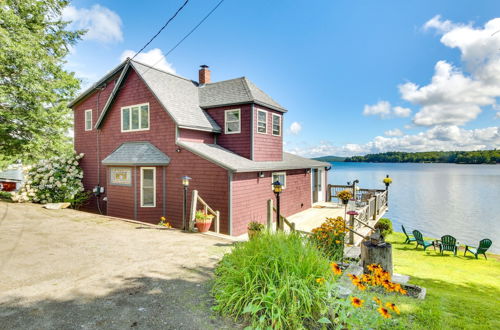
(206, 208)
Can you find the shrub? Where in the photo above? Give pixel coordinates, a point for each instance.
(254, 225)
(329, 238)
(274, 280)
(385, 226)
(55, 180)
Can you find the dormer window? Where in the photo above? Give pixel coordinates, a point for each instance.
(276, 124)
(262, 121)
(232, 121)
(135, 118)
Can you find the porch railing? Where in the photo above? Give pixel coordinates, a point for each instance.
(206, 208)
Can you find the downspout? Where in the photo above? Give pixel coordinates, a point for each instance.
(230, 203)
(98, 149)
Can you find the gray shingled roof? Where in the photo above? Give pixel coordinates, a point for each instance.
(137, 153)
(178, 95)
(236, 163)
(235, 91)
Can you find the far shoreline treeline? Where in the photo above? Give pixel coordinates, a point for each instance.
(457, 157)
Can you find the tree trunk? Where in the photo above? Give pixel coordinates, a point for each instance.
(373, 254)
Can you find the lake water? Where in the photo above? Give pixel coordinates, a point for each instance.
(437, 199)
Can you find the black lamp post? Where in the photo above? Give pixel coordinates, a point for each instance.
(278, 188)
(185, 184)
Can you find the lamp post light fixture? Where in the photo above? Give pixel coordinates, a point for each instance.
(185, 184)
(277, 189)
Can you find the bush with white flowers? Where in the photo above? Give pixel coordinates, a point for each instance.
(54, 180)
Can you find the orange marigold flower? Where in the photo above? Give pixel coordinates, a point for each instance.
(393, 307)
(384, 312)
(378, 301)
(336, 268)
(356, 302)
(320, 280)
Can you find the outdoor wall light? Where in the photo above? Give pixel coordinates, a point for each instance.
(308, 170)
(261, 174)
(185, 181)
(178, 149)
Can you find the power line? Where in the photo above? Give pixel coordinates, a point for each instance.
(162, 28)
(186, 36)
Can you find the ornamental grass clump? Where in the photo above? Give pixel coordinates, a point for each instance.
(54, 180)
(274, 280)
(329, 238)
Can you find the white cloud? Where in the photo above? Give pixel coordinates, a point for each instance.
(295, 128)
(153, 57)
(401, 112)
(394, 132)
(438, 138)
(103, 25)
(455, 96)
(384, 110)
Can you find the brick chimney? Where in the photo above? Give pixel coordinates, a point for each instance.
(204, 75)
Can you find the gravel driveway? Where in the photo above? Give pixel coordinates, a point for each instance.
(66, 269)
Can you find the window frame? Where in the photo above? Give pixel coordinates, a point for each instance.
(85, 119)
(142, 186)
(129, 107)
(226, 121)
(258, 121)
(284, 179)
(280, 124)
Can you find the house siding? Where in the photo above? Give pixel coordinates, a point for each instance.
(267, 147)
(239, 143)
(209, 179)
(196, 136)
(250, 194)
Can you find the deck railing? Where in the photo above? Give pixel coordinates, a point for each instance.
(206, 208)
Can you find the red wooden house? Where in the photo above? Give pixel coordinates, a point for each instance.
(142, 129)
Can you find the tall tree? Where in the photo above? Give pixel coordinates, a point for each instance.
(34, 86)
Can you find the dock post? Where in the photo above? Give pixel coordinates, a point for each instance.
(269, 213)
(351, 225)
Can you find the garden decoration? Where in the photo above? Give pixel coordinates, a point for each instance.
(203, 221)
(345, 196)
(254, 228)
(484, 245)
(387, 181)
(164, 223)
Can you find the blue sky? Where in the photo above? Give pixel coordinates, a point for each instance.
(356, 76)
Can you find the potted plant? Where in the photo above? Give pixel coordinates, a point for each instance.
(254, 228)
(344, 196)
(203, 221)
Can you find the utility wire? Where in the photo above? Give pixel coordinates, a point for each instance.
(162, 28)
(185, 37)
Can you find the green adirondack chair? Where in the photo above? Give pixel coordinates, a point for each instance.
(448, 243)
(484, 245)
(409, 238)
(420, 240)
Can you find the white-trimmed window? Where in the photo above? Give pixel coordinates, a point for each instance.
(281, 177)
(262, 121)
(135, 118)
(276, 124)
(88, 120)
(148, 186)
(232, 119)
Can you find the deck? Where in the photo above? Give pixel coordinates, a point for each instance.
(370, 206)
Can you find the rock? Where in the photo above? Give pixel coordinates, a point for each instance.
(56, 206)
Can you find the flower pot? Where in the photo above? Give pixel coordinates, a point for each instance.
(252, 233)
(345, 201)
(203, 227)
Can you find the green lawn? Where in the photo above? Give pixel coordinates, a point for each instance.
(462, 292)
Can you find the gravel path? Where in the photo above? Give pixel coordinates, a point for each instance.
(66, 269)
